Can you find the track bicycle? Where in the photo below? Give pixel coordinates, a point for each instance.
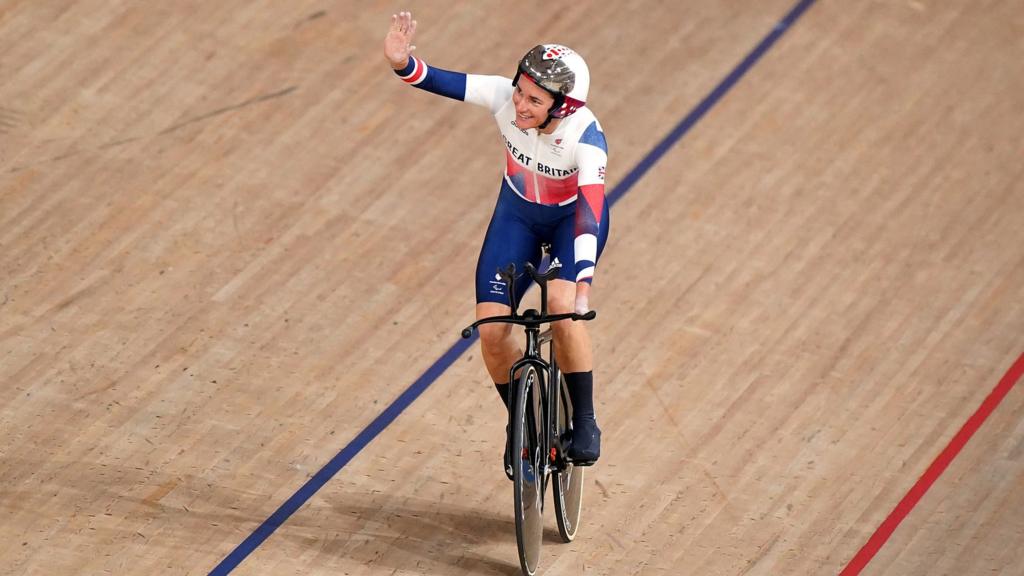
(540, 424)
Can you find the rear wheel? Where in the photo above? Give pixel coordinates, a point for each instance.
(568, 482)
(528, 470)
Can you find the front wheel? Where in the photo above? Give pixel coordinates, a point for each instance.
(528, 469)
(568, 482)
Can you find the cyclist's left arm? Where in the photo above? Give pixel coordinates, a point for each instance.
(591, 158)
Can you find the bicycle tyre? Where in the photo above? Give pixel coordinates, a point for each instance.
(528, 471)
(567, 485)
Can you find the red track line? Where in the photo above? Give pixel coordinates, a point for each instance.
(885, 530)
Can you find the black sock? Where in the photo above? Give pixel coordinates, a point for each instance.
(503, 392)
(581, 392)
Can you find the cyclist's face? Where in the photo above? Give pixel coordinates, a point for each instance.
(532, 103)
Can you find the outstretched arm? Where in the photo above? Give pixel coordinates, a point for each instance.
(488, 91)
(398, 49)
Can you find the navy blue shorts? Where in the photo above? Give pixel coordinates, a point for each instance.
(517, 229)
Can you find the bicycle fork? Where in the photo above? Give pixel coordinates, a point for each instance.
(535, 421)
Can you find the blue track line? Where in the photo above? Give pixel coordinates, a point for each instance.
(707, 103)
(314, 484)
(347, 453)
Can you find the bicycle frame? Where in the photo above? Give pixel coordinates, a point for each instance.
(540, 415)
(532, 320)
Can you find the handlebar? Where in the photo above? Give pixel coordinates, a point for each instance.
(530, 318)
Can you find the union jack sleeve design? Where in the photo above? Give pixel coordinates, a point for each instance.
(592, 156)
(414, 72)
(436, 80)
(589, 209)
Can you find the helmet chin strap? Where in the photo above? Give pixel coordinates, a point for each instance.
(558, 104)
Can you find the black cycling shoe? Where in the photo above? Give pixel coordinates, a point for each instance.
(585, 445)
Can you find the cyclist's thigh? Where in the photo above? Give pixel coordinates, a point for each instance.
(508, 240)
(563, 246)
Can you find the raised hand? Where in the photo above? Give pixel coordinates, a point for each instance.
(398, 43)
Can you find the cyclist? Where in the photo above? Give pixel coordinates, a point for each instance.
(552, 191)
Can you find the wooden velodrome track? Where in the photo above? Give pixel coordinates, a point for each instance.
(230, 238)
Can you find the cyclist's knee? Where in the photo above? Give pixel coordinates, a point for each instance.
(566, 330)
(494, 335)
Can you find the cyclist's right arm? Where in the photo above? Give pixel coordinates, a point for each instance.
(491, 92)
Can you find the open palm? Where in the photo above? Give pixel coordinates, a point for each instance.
(398, 43)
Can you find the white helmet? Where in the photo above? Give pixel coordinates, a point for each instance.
(561, 72)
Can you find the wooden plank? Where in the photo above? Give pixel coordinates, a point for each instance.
(229, 238)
